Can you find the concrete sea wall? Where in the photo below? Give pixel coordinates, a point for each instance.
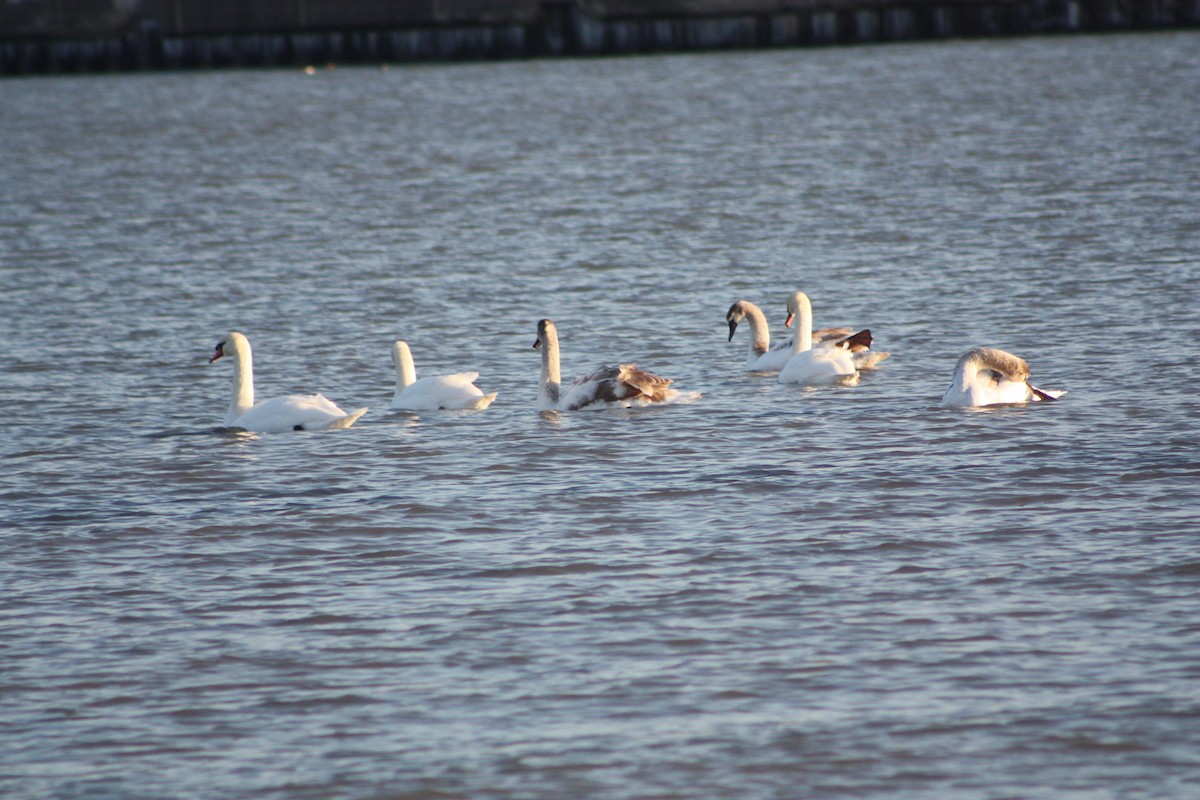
(54, 36)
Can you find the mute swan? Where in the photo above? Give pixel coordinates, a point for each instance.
(830, 362)
(986, 376)
(451, 392)
(859, 344)
(763, 357)
(284, 413)
(622, 384)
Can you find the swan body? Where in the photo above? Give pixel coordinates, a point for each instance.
(444, 392)
(284, 413)
(763, 356)
(619, 385)
(820, 366)
(832, 362)
(986, 376)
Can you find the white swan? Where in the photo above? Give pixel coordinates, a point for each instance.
(623, 384)
(284, 413)
(451, 392)
(986, 376)
(832, 361)
(764, 357)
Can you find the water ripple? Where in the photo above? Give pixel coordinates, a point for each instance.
(767, 592)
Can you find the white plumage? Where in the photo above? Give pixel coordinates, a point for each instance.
(445, 392)
(832, 361)
(283, 413)
(622, 384)
(765, 356)
(986, 376)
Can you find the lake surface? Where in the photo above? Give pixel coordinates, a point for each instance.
(770, 592)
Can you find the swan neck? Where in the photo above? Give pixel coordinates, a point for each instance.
(1013, 368)
(243, 383)
(406, 371)
(965, 371)
(759, 329)
(551, 374)
(803, 338)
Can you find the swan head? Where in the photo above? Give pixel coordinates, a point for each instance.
(735, 314)
(795, 303)
(1003, 364)
(400, 350)
(545, 331)
(232, 344)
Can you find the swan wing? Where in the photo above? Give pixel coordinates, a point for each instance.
(647, 384)
(821, 366)
(451, 392)
(859, 345)
(823, 335)
(784, 344)
(855, 343)
(615, 384)
(780, 353)
(295, 411)
(991, 388)
(772, 360)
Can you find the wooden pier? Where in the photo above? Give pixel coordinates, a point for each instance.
(73, 36)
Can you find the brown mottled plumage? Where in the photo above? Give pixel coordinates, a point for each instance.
(621, 383)
(615, 384)
(987, 376)
(856, 343)
(1010, 367)
(765, 356)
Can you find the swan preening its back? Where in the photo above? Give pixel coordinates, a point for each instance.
(986, 376)
(445, 392)
(833, 361)
(284, 413)
(622, 384)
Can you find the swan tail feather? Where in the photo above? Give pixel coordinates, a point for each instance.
(480, 403)
(856, 342)
(349, 419)
(870, 359)
(654, 387)
(1045, 394)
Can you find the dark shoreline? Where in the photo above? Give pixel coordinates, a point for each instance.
(175, 35)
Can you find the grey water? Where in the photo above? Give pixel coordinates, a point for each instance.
(769, 592)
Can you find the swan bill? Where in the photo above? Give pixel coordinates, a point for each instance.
(732, 328)
(543, 325)
(220, 351)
